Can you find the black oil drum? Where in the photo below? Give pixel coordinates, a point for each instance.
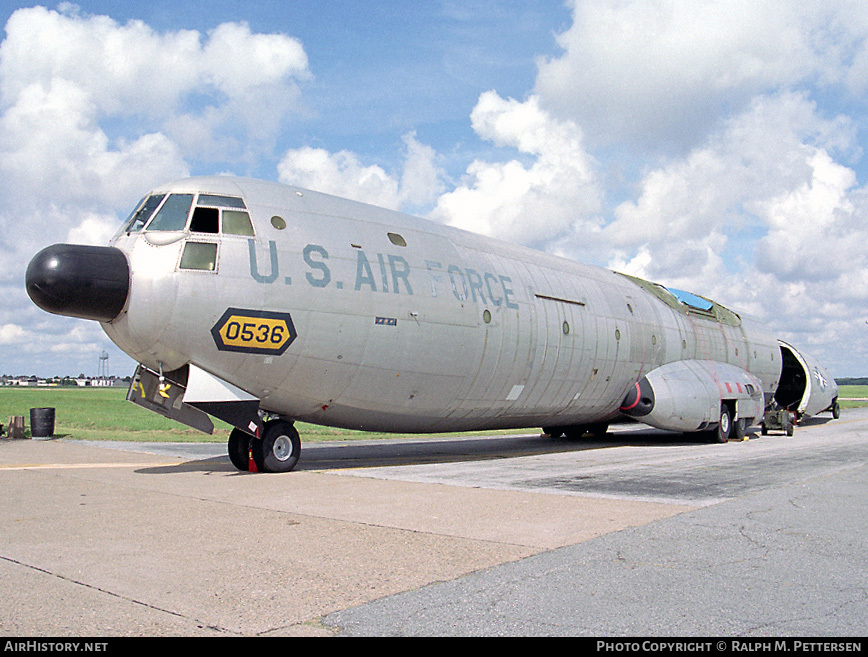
(41, 422)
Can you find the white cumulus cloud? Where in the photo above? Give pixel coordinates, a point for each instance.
(343, 174)
(661, 72)
(549, 189)
(94, 112)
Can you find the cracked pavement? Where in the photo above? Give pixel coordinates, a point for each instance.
(642, 534)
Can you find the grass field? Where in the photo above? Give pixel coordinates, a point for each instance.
(851, 392)
(104, 414)
(98, 414)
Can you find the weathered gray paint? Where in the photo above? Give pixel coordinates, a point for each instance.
(431, 363)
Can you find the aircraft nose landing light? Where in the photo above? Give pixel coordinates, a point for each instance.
(91, 282)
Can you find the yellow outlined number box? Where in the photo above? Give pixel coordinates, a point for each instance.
(254, 331)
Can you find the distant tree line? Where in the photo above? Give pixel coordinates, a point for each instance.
(857, 381)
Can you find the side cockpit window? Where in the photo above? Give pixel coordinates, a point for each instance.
(139, 217)
(236, 222)
(199, 255)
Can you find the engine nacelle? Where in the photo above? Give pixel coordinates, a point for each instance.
(687, 396)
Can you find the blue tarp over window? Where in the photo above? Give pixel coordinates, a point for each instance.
(691, 299)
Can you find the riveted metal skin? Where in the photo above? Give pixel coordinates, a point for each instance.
(339, 313)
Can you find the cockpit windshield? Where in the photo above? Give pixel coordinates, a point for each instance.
(212, 213)
(173, 214)
(139, 217)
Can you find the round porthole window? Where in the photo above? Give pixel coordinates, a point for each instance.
(566, 328)
(278, 222)
(486, 316)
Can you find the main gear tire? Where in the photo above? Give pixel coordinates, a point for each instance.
(279, 448)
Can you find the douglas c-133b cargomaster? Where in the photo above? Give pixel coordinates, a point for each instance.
(261, 304)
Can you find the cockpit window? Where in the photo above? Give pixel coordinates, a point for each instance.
(222, 201)
(205, 220)
(236, 222)
(173, 214)
(199, 255)
(142, 213)
(226, 214)
(213, 214)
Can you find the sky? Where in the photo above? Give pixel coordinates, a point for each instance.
(713, 146)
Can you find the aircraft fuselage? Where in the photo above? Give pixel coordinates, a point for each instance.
(340, 313)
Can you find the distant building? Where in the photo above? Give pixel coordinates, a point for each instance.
(81, 382)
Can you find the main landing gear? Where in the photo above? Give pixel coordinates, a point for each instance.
(276, 451)
(724, 427)
(728, 427)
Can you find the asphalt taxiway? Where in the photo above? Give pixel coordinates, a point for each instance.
(645, 533)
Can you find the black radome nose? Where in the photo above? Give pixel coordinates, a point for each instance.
(91, 282)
